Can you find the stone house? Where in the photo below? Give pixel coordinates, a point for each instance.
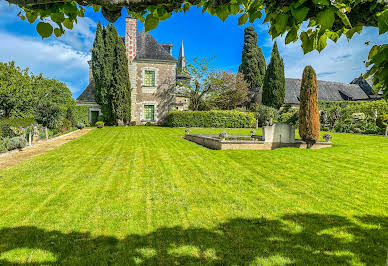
(154, 74)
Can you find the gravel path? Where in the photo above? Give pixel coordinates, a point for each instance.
(15, 157)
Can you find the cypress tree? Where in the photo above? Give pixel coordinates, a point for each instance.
(309, 125)
(109, 58)
(274, 81)
(252, 62)
(98, 51)
(121, 87)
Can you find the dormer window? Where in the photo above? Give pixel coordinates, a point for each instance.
(149, 78)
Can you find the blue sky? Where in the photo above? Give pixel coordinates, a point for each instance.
(204, 35)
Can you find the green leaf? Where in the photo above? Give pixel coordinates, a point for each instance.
(44, 29)
(151, 22)
(68, 23)
(349, 34)
(281, 23)
(375, 49)
(300, 13)
(322, 42)
(332, 36)
(57, 32)
(307, 43)
(243, 19)
(322, 2)
(96, 8)
(292, 35)
(186, 7)
(298, 3)
(222, 12)
(325, 18)
(382, 21)
(31, 16)
(58, 17)
(344, 18)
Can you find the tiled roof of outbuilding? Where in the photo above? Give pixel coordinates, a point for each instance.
(88, 94)
(327, 91)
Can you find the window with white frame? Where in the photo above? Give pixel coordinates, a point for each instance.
(149, 78)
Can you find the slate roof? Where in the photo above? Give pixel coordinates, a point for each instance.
(327, 91)
(88, 94)
(148, 48)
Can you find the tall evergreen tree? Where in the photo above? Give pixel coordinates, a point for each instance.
(98, 61)
(252, 62)
(110, 72)
(274, 81)
(121, 94)
(309, 125)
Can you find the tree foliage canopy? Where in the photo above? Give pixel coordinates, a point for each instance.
(274, 81)
(327, 19)
(309, 125)
(21, 92)
(110, 73)
(252, 62)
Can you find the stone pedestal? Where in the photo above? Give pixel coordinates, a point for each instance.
(279, 133)
(36, 134)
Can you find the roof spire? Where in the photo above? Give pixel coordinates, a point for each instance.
(181, 60)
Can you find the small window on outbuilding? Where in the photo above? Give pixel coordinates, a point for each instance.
(149, 78)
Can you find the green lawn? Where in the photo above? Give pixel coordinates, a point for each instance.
(145, 195)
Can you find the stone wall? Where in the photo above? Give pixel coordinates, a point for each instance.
(162, 95)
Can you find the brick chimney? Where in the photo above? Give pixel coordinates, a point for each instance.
(130, 37)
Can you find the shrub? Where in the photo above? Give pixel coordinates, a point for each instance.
(6, 124)
(66, 124)
(81, 114)
(309, 125)
(290, 117)
(80, 125)
(100, 118)
(358, 117)
(99, 124)
(70, 115)
(16, 143)
(132, 123)
(49, 114)
(382, 121)
(226, 119)
(264, 113)
(148, 123)
(3, 146)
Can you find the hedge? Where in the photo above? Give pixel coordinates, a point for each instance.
(81, 114)
(6, 124)
(348, 108)
(220, 119)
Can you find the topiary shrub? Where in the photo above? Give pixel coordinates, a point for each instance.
(99, 124)
(264, 113)
(309, 125)
(16, 143)
(219, 119)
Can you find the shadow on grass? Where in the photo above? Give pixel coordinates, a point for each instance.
(293, 239)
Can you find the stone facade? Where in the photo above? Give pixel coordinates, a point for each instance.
(147, 57)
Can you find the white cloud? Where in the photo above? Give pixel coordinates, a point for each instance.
(53, 58)
(63, 58)
(341, 61)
